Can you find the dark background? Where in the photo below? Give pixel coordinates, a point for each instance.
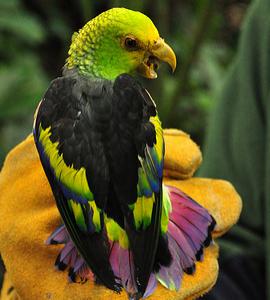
(35, 36)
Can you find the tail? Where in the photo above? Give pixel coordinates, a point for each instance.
(69, 257)
(189, 231)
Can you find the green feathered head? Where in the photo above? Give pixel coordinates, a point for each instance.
(119, 41)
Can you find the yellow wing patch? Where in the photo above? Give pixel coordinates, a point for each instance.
(96, 215)
(159, 146)
(116, 233)
(143, 211)
(73, 179)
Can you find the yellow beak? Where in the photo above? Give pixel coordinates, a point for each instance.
(159, 52)
(164, 52)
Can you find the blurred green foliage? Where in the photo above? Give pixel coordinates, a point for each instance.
(35, 36)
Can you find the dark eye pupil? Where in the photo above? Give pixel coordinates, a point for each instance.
(130, 43)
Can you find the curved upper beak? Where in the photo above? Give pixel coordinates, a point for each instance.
(164, 52)
(159, 52)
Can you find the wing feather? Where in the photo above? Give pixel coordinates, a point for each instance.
(103, 155)
(142, 212)
(68, 166)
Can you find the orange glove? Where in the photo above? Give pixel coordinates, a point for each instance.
(28, 215)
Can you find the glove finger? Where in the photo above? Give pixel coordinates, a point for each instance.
(182, 155)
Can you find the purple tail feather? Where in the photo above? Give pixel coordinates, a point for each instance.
(69, 256)
(123, 267)
(189, 231)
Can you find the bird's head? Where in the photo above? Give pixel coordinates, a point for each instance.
(119, 41)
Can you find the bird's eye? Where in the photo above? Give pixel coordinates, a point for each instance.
(131, 43)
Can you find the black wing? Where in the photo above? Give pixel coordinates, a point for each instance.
(101, 147)
(136, 154)
(67, 132)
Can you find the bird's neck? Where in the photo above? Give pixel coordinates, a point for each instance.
(92, 58)
(82, 54)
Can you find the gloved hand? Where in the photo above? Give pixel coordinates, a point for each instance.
(28, 215)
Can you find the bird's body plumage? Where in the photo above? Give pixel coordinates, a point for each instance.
(101, 145)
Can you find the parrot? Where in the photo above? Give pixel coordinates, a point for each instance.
(101, 145)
